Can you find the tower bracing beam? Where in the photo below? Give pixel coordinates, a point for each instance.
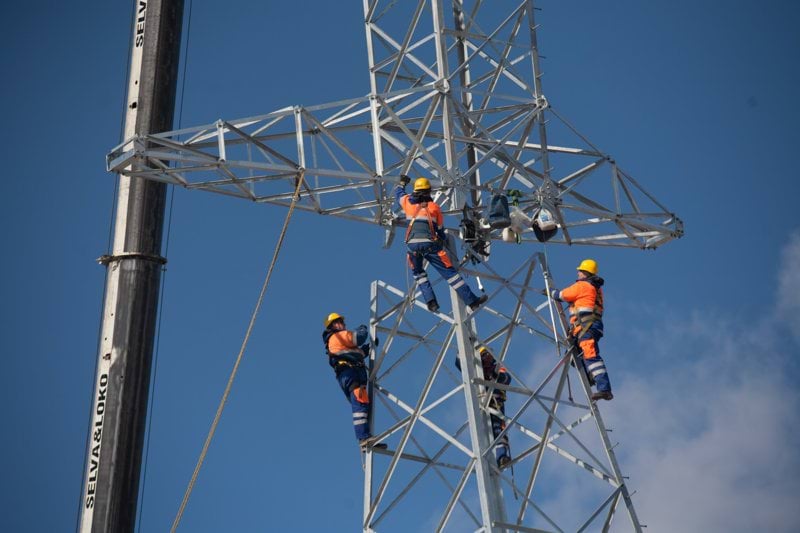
(461, 105)
(440, 462)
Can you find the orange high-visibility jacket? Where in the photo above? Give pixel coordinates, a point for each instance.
(423, 220)
(583, 298)
(344, 342)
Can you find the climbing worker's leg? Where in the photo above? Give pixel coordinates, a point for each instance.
(353, 383)
(359, 401)
(502, 450)
(595, 366)
(415, 259)
(438, 257)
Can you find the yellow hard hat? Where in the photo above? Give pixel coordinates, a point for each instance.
(332, 318)
(422, 184)
(588, 265)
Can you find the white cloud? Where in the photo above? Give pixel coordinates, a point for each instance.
(789, 284)
(711, 439)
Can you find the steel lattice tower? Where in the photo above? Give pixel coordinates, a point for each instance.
(455, 95)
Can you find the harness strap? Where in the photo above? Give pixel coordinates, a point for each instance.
(414, 219)
(586, 319)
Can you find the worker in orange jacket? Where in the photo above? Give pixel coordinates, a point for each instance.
(585, 298)
(346, 353)
(425, 239)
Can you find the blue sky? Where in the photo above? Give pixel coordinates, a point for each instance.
(695, 99)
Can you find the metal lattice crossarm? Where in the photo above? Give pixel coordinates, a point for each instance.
(440, 461)
(460, 104)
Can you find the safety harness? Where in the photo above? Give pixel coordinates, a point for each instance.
(421, 207)
(585, 316)
(340, 360)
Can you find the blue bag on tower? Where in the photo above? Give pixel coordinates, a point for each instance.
(498, 212)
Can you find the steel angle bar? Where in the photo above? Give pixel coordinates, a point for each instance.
(414, 104)
(622, 227)
(610, 516)
(486, 40)
(330, 135)
(561, 401)
(407, 433)
(579, 176)
(162, 169)
(507, 70)
(536, 508)
(416, 414)
(423, 129)
(448, 510)
(401, 52)
(405, 355)
(393, 46)
(519, 149)
(539, 455)
(642, 190)
(524, 391)
(501, 151)
(385, 350)
(401, 149)
(613, 497)
(568, 431)
(499, 146)
(572, 458)
(564, 150)
(420, 474)
(180, 148)
(523, 529)
(574, 130)
(387, 294)
(261, 146)
(413, 336)
(495, 75)
(399, 122)
(596, 472)
(430, 462)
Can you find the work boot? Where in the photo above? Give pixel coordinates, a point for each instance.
(602, 395)
(369, 442)
(433, 306)
(479, 302)
(503, 461)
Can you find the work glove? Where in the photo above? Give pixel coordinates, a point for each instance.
(376, 341)
(554, 294)
(441, 234)
(404, 180)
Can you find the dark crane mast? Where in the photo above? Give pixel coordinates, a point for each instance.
(133, 274)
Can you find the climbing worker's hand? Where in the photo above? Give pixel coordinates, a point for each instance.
(376, 341)
(404, 180)
(554, 294)
(441, 234)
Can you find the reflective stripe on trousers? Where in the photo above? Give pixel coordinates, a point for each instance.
(436, 256)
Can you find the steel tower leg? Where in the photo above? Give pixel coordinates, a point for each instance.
(133, 273)
(480, 427)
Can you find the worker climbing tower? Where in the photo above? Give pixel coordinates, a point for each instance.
(456, 96)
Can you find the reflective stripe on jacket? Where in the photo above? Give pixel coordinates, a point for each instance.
(585, 298)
